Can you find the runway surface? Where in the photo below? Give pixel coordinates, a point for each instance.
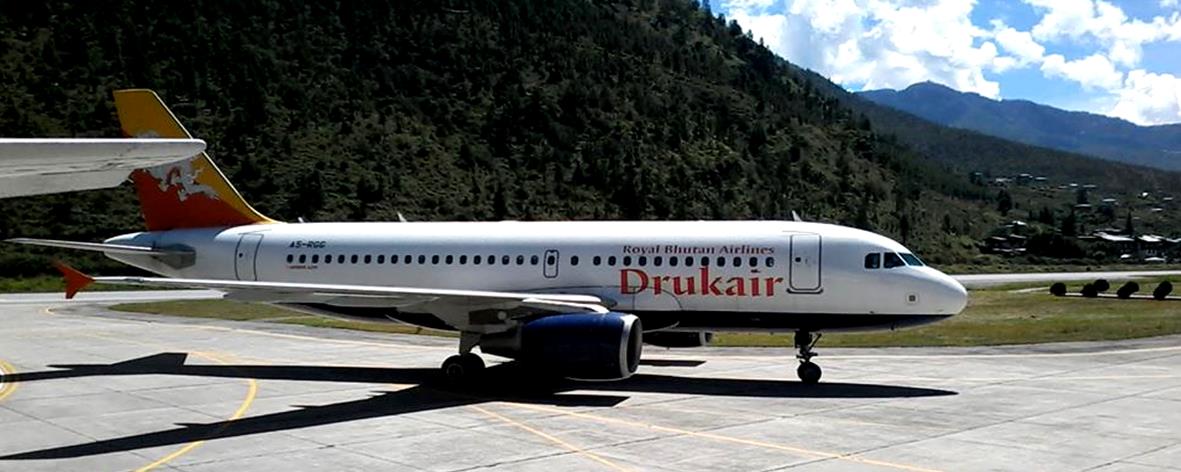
(87, 389)
(990, 280)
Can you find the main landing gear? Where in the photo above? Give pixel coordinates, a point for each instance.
(808, 371)
(461, 368)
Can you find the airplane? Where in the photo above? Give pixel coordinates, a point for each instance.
(577, 299)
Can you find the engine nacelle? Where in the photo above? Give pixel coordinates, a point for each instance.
(678, 339)
(588, 346)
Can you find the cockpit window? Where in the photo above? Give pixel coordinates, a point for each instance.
(873, 260)
(892, 260)
(912, 260)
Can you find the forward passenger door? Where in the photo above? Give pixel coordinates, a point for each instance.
(805, 266)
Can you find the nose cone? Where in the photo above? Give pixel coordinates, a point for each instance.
(948, 296)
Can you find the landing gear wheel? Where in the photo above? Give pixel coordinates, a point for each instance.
(809, 372)
(462, 368)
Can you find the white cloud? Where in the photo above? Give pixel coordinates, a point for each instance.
(1105, 23)
(879, 43)
(1148, 98)
(1092, 72)
(871, 44)
(1019, 43)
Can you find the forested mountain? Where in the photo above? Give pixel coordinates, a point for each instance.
(485, 110)
(1041, 125)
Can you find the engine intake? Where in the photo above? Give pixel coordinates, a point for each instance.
(587, 346)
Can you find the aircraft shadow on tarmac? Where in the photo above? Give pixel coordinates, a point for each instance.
(513, 384)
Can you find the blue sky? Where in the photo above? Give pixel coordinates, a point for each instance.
(1119, 58)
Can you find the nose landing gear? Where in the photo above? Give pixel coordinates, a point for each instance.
(808, 371)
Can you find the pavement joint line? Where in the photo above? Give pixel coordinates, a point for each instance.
(1011, 420)
(719, 437)
(572, 448)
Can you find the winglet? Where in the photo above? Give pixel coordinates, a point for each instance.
(75, 280)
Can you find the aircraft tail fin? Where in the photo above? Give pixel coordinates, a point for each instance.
(192, 193)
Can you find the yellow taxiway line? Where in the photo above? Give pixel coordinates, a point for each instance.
(251, 393)
(718, 437)
(6, 386)
(572, 448)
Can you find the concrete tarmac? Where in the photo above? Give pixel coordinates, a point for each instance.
(88, 389)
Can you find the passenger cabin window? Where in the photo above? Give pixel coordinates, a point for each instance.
(303, 258)
(290, 258)
(891, 260)
(672, 261)
(435, 259)
(912, 260)
(504, 260)
(476, 259)
(873, 260)
(573, 260)
(381, 259)
(611, 261)
(520, 260)
(597, 260)
(657, 261)
(642, 261)
(770, 262)
(462, 260)
(422, 259)
(340, 259)
(627, 261)
(533, 260)
(315, 258)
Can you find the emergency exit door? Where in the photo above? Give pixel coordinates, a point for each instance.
(244, 257)
(551, 264)
(805, 263)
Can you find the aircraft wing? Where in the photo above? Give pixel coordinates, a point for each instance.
(42, 166)
(354, 295)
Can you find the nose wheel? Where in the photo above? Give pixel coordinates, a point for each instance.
(808, 371)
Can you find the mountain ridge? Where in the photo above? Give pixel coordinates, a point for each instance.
(1033, 123)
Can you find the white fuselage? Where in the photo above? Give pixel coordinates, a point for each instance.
(736, 275)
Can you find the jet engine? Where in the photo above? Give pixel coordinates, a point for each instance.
(586, 346)
(678, 338)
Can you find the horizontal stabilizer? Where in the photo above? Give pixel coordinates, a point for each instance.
(42, 166)
(100, 247)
